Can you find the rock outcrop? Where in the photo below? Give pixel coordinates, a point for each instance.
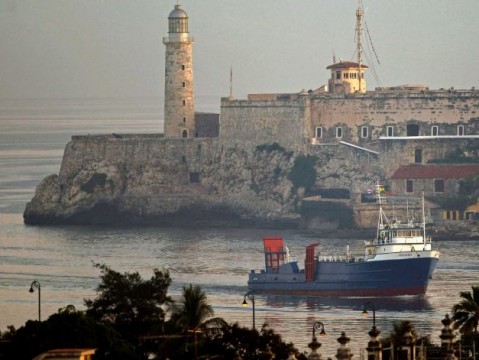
(151, 180)
(147, 179)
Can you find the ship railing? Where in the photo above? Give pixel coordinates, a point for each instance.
(340, 258)
(399, 241)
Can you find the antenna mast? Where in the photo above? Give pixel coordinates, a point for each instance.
(231, 82)
(359, 31)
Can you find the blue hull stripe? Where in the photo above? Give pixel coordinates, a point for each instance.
(372, 278)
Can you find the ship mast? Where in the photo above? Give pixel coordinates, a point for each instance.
(423, 220)
(359, 31)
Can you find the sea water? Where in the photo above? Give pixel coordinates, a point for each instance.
(33, 135)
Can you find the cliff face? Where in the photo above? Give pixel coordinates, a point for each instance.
(146, 179)
(132, 179)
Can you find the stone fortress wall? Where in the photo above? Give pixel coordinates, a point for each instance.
(293, 119)
(191, 175)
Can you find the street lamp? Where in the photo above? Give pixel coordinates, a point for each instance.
(250, 296)
(318, 325)
(36, 285)
(314, 345)
(365, 312)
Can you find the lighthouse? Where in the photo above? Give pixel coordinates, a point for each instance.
(179, 106)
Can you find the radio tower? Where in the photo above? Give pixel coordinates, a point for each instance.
(359, 32)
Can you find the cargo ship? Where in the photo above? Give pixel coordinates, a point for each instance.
(398, 261)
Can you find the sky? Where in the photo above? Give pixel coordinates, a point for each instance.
(114, 49)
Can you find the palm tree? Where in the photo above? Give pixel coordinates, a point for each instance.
(465, 314)
(192, 314)
(193, 311)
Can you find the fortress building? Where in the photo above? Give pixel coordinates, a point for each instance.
(179, 90)
(345, 113)
(249, 169)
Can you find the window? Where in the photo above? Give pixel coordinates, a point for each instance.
(364, 132)
(409, 186)
(178, 25)
(413, 130)
(184, 119)
(319, 132)
(338, 75)
(434, 130)
(183, 67)
(439, 185)
(184, 134)
(418, 156)
(184, 102)
(339, 132)
(390, 131)
(460, 130)
(184, 84)
(345, 75)
(194, 177)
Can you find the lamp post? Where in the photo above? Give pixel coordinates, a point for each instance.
(36, 285)
(68, 309)
(375, 347)
(314, 345)
(250, 296)
(318, 325)
(365, 312)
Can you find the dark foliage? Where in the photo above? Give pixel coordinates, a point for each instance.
(465, 314)
(248, 343)
(133, 306)
(303, 173)
(272, 147)
(66, 330)
(458, 156)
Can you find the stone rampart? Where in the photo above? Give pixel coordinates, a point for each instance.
(293, 119)
(397, 109)
(251, 123)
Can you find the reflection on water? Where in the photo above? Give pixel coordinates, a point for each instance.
(385, 304)
(219, 260)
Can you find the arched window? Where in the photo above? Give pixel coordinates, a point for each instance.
(418, 156)
(184, 134)
(339, 132)
(390, 131)
(364, 132)
(319, 132)
(460, 130)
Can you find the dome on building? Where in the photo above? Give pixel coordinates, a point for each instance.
(178, 13)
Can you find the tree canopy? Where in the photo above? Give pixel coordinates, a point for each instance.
(130, 304)
(465, 314)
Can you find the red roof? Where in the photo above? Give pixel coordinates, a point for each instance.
(436, 171)
(346, 65)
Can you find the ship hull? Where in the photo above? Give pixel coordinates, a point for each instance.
(391, 277)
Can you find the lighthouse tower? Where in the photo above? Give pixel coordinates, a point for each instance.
(179, 94)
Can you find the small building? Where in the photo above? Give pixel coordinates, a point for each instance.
(347, 77)
(67, 354)
(435, 179)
